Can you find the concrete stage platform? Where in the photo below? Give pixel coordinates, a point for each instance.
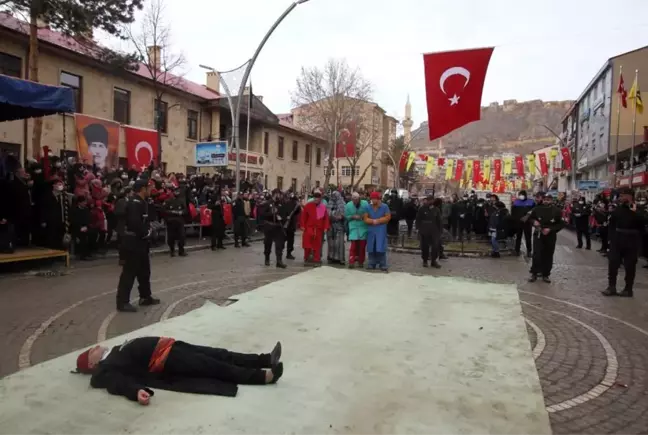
(364, 353)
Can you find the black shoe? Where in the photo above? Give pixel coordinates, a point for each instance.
(425, 263)
(443, 257)
(172, 254)
(290, 257)
(579, 247)
(546, 279)
(529, 254)
(220, 247)
(126, 308)
(183, 254)
(626, 293)
(277, 372)
(267, 261)
(610, 291)
(213, 248)
(275, 355)
(533, 278)
(436, 265)
(495, 254)
(588, 248)
(281, 265)
(245, 245)
(236, 245)
(517, 253)
(145, 302)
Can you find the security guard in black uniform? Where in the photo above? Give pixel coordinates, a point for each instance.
(175, 212)
(428, 224)
(293, 208)
(274, 216)
(626, 229)
(135, 249)
(546, 219)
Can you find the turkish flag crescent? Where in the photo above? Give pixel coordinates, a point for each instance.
(567, 162)
(454, 81)
(477, 171)
(402, 164)
(141, 146)
(544, 170)
(519, 163)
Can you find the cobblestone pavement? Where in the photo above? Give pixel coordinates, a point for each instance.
(591, 352)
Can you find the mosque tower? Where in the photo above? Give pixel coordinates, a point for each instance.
(407, 122)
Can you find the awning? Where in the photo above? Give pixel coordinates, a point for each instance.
(21, 99)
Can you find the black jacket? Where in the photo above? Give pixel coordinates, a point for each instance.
(548, 216)
(136, 225)
(175, 210)
(428, 221)
(125, 371)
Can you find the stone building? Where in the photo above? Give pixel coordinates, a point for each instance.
(190, 112)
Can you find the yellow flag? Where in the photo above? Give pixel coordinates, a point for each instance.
(449, 165)
(508, 165)
(429, 166)
(461, 183)
(553, 154)
(469, 169)
(410, 159)
(635, 95)
(487, 170)
(531, 162)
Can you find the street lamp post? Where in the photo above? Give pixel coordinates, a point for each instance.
(246, 75)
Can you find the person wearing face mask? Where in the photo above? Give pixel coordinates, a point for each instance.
(581, 212)
(519, 211)
(626, 231)
(377, 216)
(546, 219)
(274, 217)
(601, 217)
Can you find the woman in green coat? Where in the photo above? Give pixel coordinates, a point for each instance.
(353, 212)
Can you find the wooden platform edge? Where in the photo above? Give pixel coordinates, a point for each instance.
(34, 255)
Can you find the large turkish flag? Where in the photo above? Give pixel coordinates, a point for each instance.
(454, 81)
(141, 146)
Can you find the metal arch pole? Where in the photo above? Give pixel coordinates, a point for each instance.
(244, 80)
(231, 104)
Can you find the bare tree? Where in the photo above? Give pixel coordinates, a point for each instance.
(327, 99)
(367, 133)
(153, 43)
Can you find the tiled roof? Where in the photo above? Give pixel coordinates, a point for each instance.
(68, 43)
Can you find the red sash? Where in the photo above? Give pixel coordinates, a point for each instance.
(160, 354)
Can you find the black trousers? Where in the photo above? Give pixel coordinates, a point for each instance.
(583, 232)
(430, 247)
(137, 264)
(625, 249)
(209, 362)
(217, 234)
(7, 238)
(543, 252)
(276, 236)
(240, 230)
(290, 240)
(527, 231)
(22, 228)
(603, 232)
(85, 243)
(410, 225)
(176, 234)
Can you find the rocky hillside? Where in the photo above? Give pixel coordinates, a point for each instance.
(509, 127)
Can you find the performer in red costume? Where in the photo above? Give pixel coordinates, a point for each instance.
(315, 222)
(132, 369)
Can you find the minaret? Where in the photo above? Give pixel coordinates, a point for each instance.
(407, 122)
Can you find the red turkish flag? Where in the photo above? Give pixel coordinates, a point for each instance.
(441, 162)
(519, 163)
(402, 164)
(454, 81)
(346, 147)
(498, 169)
(544, 170)
(567, 162)
(141, 146)
(477, 177)
(459, 170)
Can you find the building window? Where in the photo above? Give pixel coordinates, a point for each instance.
(293, 184)
(347, 171)
(326, 171)
(317, 184)
(307, 157)
(280, 148)
(161, 116)
(280, 183)
(192, 124)
(295, 151)
(75, 83)
(318, 156)
(121, 105)
(266, 143)
(265, 180)
(10, 65)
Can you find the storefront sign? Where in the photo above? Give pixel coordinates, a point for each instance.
(251, 160)
(588, 185)
(639, 179)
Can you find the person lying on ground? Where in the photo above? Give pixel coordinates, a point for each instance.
(134, 368)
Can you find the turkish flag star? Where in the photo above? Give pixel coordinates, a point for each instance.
(454, 81)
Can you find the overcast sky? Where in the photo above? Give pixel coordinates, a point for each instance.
(547, 49)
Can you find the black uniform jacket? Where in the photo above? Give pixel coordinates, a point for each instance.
(125, 371)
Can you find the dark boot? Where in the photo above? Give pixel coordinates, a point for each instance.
(626, 293)
(182, 252)
(245, 244)
(236, 243)
(425, 263)
(290, 256)
(610, 291)
(533, 278)
(144, 302)
(436, 265)
(267, 260)
(546, 279)
(126, 308)
(172, 252)
(280, 263)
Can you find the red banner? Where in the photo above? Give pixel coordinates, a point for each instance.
(567, 163)
(544, 170)
(141, 146)
(205, 216)
(402, 164)
(519, 163)
(459, 170)
(477, 178)
(498, 169)
(423, 157)
(346, 147)
(441, 162)
(454, 81)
